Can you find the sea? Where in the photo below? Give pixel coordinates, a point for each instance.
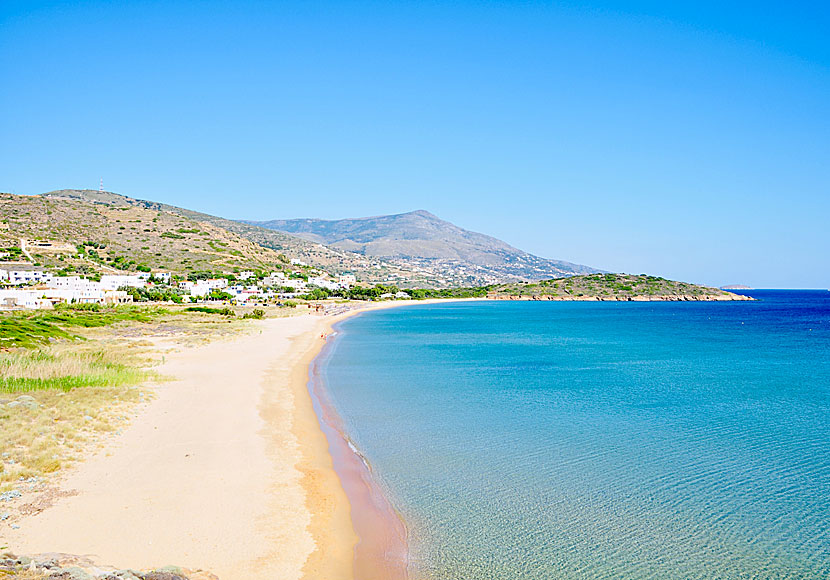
(596, 440)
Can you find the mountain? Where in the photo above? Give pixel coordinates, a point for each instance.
(421, 241)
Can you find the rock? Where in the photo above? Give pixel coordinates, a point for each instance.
(4, 517)
(73, 573)
(162, 575)
(10, 495)
(26, 401)
(124, 575)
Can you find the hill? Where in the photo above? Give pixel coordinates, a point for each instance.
(87, 236)
(602, 287)
(332, 260)
(421, 241)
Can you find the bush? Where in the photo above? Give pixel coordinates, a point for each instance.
(78, 306)
(257, 314)
(208, 310)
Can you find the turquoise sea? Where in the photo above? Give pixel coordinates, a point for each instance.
(585, 440)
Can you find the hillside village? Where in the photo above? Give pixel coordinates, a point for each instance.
(32, 287)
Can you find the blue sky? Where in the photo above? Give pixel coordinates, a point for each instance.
(690, 141)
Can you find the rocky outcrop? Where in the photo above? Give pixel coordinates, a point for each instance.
(69, 567)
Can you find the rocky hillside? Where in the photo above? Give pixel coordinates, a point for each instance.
(423, 242)
(332, 260)
(86, 237)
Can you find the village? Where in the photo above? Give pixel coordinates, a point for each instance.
(29, 287)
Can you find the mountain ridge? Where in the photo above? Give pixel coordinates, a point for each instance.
(428, 242)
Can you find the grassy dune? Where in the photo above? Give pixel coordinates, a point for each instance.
(65, 369)
(60, 387)
(69, 376)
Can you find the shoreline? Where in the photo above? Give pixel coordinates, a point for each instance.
(240, 467)
(226, 469)
(380, 530)
(377, 527)
(210, 475)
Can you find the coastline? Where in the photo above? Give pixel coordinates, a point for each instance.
(226, 469)
(373, 529)
(208, 475)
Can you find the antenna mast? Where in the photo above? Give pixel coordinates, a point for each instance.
(101, 187)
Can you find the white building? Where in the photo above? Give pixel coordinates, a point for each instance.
(274, 279)
(244, 293)
(92, 294)
(25, 276)
(48, 297)
(17, 298)
(321, 282)
(201, 288)
(297, 284)
(163, 277)
(347, 280)
(113, 282)
(296, 262)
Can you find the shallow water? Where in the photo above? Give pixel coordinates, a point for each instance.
(598, 440)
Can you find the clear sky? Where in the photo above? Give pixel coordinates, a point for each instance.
(690, 141)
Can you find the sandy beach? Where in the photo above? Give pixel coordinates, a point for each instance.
(226, 470)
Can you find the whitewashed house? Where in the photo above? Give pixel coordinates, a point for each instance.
(114, 282)
(163, 277)
(201, 288)
(347, 280)
(321, 282)
(18, 298)
(297, 284)
(19, 277)
(274, 279)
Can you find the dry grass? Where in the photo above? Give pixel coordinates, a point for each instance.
(81, 390)
(86, 389)
(37, 441)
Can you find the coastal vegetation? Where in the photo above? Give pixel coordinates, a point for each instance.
(608, 287)
(588, 287)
